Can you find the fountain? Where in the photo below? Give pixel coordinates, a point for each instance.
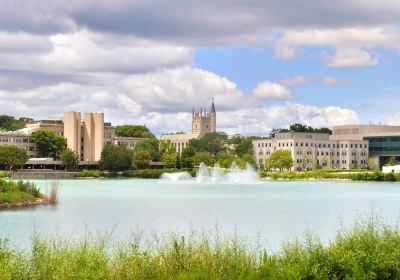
(217, 175)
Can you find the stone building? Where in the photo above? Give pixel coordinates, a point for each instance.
(202, 122)
(310, 150)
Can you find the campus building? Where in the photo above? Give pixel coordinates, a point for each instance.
(203, 122)
(310, 150)
(384, 140)
(86, 136)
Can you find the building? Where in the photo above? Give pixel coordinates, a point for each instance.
(87, 136)
(202, 123)
(384, 140)
(310, 150)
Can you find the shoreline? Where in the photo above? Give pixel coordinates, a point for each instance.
(23, 204)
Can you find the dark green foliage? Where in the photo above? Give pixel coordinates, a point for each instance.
(369, 251)
(187, 157)
(204, 157)
(213, 143)
(151, 145)
(10, 123)
(280, 159)
(18, 191)
(48, 143)
(5, 174)
(242, 145)
(298, 127)
(116, 158)
(69, 159)
(139, 131)
(12, 156)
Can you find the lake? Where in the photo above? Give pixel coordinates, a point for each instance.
(275, 210)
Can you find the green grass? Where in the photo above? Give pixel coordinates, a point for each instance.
(5, 174)
(328, 174)
(18, 191)
(369, 250)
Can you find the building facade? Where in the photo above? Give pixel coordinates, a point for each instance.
(311, 150)
(202, 123)
(87, 136)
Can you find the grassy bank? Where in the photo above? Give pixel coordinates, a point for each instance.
(143, 173)
(369, 250)
(20, 193)
(327, 174)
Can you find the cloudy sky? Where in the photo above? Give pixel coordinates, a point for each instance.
(267, 63)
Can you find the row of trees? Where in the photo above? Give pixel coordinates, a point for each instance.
(9, 123)
(298, 127)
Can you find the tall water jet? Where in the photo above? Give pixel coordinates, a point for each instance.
(217, 174)
(203, 174)
(175, 177)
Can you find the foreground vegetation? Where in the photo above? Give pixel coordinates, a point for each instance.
(355, 175)
(370, 250)
(20, 193)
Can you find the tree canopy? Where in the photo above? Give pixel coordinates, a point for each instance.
(280, 159)
(69, 159)
(48, 143)
(116, 158)
(139, 131)
(11, 156)
(10, 123)
(298, 127)
(213, 143)
(141, 159)
(151, 145)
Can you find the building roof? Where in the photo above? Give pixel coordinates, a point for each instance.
(179, 137)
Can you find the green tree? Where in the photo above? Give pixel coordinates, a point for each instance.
(280, 159)
(186, 158)
(116, 158)
(167, 147)
(213, 143)
(69, 159)
(203, 157)
(244, 147)
(225, 160)
(11, 156)
(9, 123)
(141, 159)
(391, 162)
(169, 159)
(326, 161)
(322, 130)
(139, 131)
(48, 143)
(151, 145)
(298, 127)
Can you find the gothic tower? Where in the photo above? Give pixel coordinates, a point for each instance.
(203, 122)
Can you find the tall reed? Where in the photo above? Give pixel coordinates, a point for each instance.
(52, 195)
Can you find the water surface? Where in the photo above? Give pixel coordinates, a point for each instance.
(276, 210)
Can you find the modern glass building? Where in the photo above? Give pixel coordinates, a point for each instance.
(384, 147)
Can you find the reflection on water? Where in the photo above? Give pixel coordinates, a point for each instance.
(276, 210)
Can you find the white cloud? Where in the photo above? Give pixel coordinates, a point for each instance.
(352, 58)
(271, 91)
(294, 81)
(353, 46)
(331, 81)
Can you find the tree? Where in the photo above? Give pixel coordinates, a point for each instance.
(139, 131)
(9, 123)
(151, 145)
(391, 162)
(244, 147)
(326, 161)
(48, 143)
(205, 157)
(69, 159)
(298, 127)
(141, 159)
(167, 147)
(169, 159)
(213, 143)
(322, 130)
(11, 156)
(187, 156)
(280, 159)
(116, 158)
(225, 160)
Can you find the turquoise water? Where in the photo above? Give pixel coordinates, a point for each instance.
(276, 211)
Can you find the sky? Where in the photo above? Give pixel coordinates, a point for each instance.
(267, 63)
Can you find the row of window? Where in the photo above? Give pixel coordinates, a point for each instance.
(14, 140)
(318, 153)
(319, 145)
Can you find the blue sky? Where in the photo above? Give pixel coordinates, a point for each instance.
(267, 63)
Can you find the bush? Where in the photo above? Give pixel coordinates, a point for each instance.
(368, 250)
(5, 174)
(17, 191)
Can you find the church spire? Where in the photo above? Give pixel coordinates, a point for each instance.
(212, 110)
